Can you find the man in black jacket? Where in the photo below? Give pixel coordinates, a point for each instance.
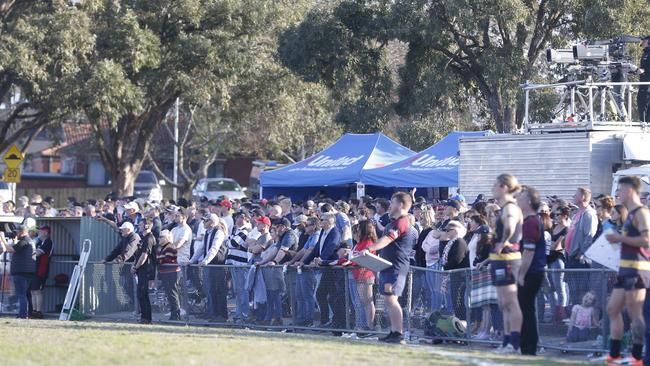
(331, 288)
(455, 255)
(122, 253)
(22, 265)
(143, 268)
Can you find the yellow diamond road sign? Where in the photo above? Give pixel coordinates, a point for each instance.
(12, 175)
(13, 157)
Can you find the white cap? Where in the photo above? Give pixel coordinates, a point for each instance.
(132, 206)
(460, 228)
(213, 217)
(127, 225)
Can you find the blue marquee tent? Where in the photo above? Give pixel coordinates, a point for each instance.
(339, 165)
(436, 166)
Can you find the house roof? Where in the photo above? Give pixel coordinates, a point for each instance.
(76, 139)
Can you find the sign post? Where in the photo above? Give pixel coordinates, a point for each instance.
(361, 190)
(12, 158)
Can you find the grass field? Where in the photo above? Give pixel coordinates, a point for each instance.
(50, 342)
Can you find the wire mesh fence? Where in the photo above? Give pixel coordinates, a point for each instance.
(443, 306)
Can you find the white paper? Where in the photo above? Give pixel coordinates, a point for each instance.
(605, 253)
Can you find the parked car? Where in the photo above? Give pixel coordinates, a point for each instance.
(213, 188)
(148, 186)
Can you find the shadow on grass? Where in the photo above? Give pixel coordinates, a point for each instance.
(172, 329)
(460, 354)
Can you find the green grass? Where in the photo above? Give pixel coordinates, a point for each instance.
(50, 342)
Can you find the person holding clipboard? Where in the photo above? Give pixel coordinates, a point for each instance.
(394, 247)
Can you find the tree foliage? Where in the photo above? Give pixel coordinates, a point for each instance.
(459, 51)
(41, 46)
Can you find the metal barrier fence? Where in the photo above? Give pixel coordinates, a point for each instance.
(457, 306)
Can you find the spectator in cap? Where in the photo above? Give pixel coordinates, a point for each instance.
(43, 256)
(306, 278)
(274, 255)
(223, 211)
(308, 208)
(22, 265)
(123, 253)
(130, 215)
(153, 213)
(168, 273)
(254, 233)
(263, 224)
(214, 278)
(455, 255)
(169, 217)
(197, 224)
(237, 257)
(144, 269)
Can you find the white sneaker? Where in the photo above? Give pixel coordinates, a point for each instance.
(508, 349)
(481, 336)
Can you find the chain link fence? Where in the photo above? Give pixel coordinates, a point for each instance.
(439, 306)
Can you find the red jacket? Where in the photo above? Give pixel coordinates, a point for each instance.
(362, 273)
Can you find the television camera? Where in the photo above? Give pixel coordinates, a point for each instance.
(598, 59)
(601, 61)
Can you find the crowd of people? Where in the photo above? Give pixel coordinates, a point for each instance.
(271, 254)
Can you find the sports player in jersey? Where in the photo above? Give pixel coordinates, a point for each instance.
(505, 260)
(633, 275)
(395, 247)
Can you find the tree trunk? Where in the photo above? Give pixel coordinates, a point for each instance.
(508, 119)
(123, 147)
(124, 179)
(494, 103)
(186, 190)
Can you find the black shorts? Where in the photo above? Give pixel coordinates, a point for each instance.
(391, 283)
(503, 272)
(37, 283)
(629, 283)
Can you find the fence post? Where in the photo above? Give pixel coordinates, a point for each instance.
(82, 290)
(136, 301)
(184, 295)
(347, 299)
(605, 317)
(409, 302)
(468, 302)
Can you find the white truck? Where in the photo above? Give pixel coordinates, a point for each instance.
(556, 163)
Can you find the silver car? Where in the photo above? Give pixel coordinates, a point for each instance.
(148, 186)
(213, 188)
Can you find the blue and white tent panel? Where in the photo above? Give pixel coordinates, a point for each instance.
(339, 164)
(436, 166)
